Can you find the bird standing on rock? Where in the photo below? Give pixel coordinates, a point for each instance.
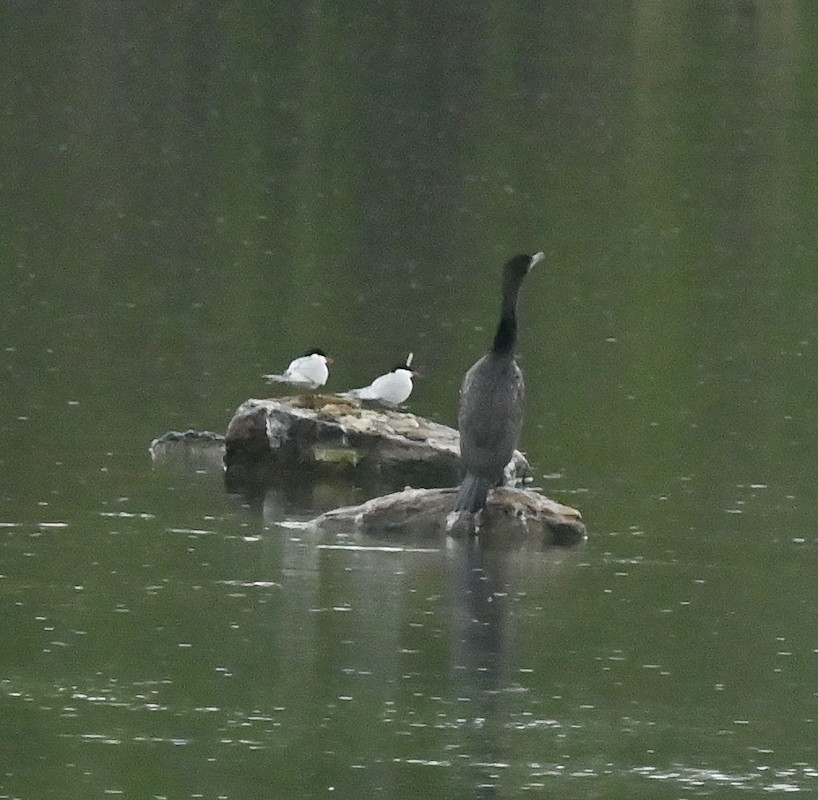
(308, 371)
(390, 389)
(491, 399)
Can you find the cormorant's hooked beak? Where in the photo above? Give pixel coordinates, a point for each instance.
(536, 258)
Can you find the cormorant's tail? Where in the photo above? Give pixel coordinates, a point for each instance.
(472, 493)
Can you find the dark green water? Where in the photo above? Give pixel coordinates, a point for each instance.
(191, 198)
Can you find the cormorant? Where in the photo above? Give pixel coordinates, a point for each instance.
(491, 399)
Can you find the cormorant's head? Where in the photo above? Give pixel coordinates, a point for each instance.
(519, 266)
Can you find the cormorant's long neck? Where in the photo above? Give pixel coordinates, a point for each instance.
(506, 336)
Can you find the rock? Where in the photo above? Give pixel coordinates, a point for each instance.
(511, 515)
(290, 448)
(330, 432)
(189, 447)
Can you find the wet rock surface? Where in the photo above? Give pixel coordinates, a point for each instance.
(510, 513)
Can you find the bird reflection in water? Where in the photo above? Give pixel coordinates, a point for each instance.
(480, 659)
